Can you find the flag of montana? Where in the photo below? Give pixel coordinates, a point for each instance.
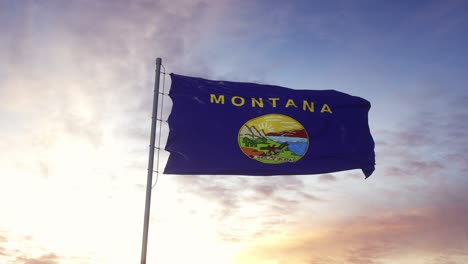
(233, 128)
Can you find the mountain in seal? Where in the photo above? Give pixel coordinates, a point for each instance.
(251, 132)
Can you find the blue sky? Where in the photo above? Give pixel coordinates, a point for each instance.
(76, 88)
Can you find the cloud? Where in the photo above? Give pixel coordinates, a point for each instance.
(393, 236)
(412, 168)
(3, 244)
(277, 199)
(50, 258)
(440, 19)
(13, 255)
(327, 178)
(231, 191)
(430, 143)
(3, 251)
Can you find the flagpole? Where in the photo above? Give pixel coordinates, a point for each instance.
(149, 181)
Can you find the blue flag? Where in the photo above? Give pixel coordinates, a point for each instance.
(231, 128)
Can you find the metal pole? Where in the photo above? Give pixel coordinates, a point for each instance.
(149, 181)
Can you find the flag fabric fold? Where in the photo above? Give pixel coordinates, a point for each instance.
(233, 128)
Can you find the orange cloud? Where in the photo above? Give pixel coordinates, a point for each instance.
(416, 235)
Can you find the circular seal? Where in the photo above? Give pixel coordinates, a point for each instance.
(273, 139)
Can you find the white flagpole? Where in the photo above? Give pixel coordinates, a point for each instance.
(149, 181)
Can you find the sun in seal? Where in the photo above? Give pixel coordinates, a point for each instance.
(273, 139)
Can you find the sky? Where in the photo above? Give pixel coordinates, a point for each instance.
(76, 83)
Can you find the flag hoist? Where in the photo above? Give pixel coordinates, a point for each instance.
(152, 147)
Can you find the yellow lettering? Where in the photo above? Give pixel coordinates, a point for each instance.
(218, 100)
(273, 101)
(326, 108)
(258, 102)
(241, 103)
(306, 105)
(290, 102)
